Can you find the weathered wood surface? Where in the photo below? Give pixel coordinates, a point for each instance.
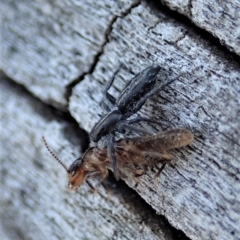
(220, 18)
(35, 203)
(199, 192)
(47, 45)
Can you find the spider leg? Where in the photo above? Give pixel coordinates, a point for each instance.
(135, 130)
(111, 154)
(109, 97)
(157, 89)
(126, 124)
(142, 119)
(106, 106)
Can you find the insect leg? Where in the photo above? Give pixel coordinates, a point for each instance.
(104, 175)
(140, 172)
(112, 156)
(158, 174)
(107, 191)
(92, 187)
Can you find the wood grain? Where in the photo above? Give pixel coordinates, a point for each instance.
(64, 53)
(220, 18)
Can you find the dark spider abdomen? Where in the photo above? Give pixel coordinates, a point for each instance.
(135, 93)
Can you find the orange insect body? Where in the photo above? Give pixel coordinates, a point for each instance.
(133, 154)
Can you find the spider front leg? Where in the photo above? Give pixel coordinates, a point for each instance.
(112, 155)
(127, 124)
(141, 119)
(109, 97)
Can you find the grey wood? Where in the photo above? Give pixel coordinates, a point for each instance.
(49, 48)
(220, 18)
(35, 202)
(199, 192)
(46, 45)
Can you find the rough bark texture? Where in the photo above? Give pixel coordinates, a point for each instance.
(220, 18)
(64, 54)
(34, 201)
(48, 44)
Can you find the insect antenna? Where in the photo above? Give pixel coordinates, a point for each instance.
(53, 154)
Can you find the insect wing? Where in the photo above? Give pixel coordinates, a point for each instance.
(151, 149)
(163, 141)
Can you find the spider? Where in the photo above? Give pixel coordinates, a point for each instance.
(130, 100)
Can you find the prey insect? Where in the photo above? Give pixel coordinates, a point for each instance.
(131, 99)
(133, 155)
